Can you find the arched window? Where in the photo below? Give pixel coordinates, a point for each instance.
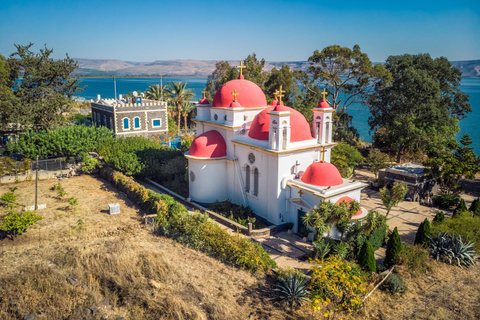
(136, 122)
(247, 178)
(255, 182)
(327, 132)
(125, 124)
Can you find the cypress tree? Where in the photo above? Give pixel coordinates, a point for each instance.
(394, 246)
(439, 217)
(461, 207)
(475, 206)
(366, 258)
(424, 231)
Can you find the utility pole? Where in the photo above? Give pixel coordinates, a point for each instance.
(36, 186)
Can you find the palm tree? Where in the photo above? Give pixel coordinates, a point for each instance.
(154, 92)
(177, 94)
(187, 107)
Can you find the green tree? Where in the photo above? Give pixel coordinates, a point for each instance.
(346, 157)
(187, 109)
(423, 233)
(286, 78)
(377, 160)
(392, 197)
(8, 100)
(461, 207)
(223, 73)
(47, 87)
(394, 246)
(421, 106)
(254, 70)
(155, 92)
(177, 93)
(475, 206)
(451, 164)
(366, 258)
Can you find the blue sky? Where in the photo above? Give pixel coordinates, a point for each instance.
(230, 30)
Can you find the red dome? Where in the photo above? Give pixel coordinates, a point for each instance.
(204, 101)
(348, 200)
(274, 102)
(209, 144)
(323, 105)
(300, 129)
(235, 104)
(323, 174)
(249, 94)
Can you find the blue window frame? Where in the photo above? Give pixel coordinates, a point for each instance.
(156, 123)
(125, 124)
(137, 122)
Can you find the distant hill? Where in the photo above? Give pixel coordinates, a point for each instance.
(200, 68)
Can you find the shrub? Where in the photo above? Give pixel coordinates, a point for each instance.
(89, 163)
(234, 212)
(9, 197)
(415, 258)
(366, 258)
(337, 284)
(446, 200)
(475, 206)
(394, 246)
(15, 223)
(394, 284)
(292, 291)
(341, 250)
(423, 233)
(439, 217)
(378, 237)
(465, 224)
(198, 232)
(322, 248)
(73, 202)
(461, 207)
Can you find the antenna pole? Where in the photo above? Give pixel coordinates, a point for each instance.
(161, 87)
(115, 86)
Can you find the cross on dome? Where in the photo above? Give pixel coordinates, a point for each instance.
(204, 92)
(235, 94)
(241, 67)
(324, 94)
(280, 94)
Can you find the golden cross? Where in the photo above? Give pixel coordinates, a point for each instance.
(323, 153)
(324, 94)
(204, 92)
(235, 94)
(241, 67)
(280, 95)
(275, 94)
(300, 193)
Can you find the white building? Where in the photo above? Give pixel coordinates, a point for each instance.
(266, 157)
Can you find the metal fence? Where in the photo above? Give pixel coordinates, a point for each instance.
(11, 167)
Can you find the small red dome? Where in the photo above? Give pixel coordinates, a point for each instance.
(348, 200)
(249, 94)
(204, 101)
(280, 107)
(299, 127)
(323, 174)
(209, 144)
(323, 105)
(235, 104)
(274, 102)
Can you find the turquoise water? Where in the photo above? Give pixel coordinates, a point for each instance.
(105, 87)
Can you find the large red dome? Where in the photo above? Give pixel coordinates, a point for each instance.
(209, 144)
(249, 94)
(323, 174)
(299, 127)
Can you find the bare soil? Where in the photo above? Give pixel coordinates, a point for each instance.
(110, 266)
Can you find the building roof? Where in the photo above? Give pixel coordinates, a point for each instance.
(209, 144)
(323, 105)
(249, 94)
(299, 127)
(323, 174)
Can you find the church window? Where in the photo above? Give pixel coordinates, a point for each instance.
(192, 176)
(255, 182)
(251, 157)
(284, 143)
(105, 120)
(215, 116)
(327, 132)
(247, 178)
(225, 117)
(111, 123)
(125, 124)
(136, 122)
(318, 131)
(156, 123)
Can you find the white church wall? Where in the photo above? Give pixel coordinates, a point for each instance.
(207, 183)
(203, 113)
(217, 115)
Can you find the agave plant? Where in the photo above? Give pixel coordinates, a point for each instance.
(462, 252)
(292, 291)
(441, 245)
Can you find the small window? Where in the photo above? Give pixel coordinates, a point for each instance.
(156, 123)
(136, 122)
(125, 124)
(247, 178)
(255, 182)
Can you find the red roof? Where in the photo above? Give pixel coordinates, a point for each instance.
(299, 127)
(323, 174)
(235, 104)
(204, 101)
(249, 94)
(348, 200)
(209, 144)
(323, 105)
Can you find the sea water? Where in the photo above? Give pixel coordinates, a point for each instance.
(105, 87)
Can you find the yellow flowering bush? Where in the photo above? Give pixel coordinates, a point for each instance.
(336, 285)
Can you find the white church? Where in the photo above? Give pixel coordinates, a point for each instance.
(265, 156)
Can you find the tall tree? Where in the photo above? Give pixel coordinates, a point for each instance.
(420, 108)
(349, 77)
(286, 78)
(177, 93)
(392, 197)
(8, 101)
(254, 70)
(394, 246)
(377, 160)
(155, 92)
(47, 87)
(187, 108)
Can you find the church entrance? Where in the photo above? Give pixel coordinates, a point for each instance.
(300, 215)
